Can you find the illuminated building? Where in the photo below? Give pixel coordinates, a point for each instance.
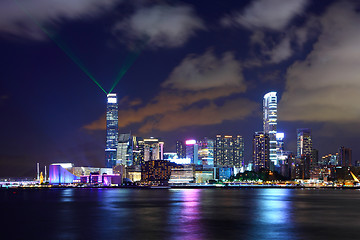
(204, 176)
(180, 149)
(138, 151)
(192, 151)
(345, 157)
(270, 123)
(156, 171)
(229, 151)
(182, 174)
(225, 173)
(60, 173)
(206, 152)
(170, 156)
(147, 149)
(315, 157)
(153, 149)
(111, 130)
(304, 142)
(125, 150)
(261, 151)
(280, 152)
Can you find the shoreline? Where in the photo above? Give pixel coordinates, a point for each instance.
(182, 187)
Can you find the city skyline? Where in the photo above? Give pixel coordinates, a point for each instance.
(183, 70)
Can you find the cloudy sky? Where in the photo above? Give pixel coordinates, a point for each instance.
(185, 69)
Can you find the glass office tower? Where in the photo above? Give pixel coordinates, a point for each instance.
(270, 123)
(111, 130)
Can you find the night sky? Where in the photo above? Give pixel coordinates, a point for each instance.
(186, 69)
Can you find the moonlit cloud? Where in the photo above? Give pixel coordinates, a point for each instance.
(325, 86)
(160, 25)
(207, 71)
(17, 17)
(267, 14)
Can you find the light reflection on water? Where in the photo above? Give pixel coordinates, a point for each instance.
(181, 214)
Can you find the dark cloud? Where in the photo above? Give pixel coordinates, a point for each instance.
(18, 17)
(160, 25)
(325, 86)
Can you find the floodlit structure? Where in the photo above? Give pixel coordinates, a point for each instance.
(270, 122)
(111, 130)
(60, 173)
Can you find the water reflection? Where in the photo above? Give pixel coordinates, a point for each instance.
(273, 215)
(188, 215)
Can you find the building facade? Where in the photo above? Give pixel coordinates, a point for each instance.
(111, 130)
(125, 150)
(180, 149)
(304, 142)
(261, 151)
(345, 157)
(229, 151)
(206, 152)
(270, 123)
(192, 151)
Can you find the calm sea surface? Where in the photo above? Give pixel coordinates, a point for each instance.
(179, 214)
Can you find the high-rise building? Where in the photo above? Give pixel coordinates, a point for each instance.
(206, 152)
(345, 157)
(180, 149)
(125, 150)
(192, 151)
(229, 151)
(270, 123)
(304, 142)
(138, 151)
(280, 150)
(261, 151)
(314, 157)
(153, 149)
(111, 130)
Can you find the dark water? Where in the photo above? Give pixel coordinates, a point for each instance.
(180, 214)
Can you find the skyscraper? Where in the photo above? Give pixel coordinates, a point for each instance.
(180, 149)
(345, 157)
(304, 142)
(111, 130)
(270, 122)
(192, 151)
(206, 151)
(261, 150)
(125, 150)
(229, 151)
(153, 149)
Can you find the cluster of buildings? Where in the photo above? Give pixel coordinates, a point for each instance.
(137, 159)
(269, 153)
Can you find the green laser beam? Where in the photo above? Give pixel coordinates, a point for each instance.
(62, 47)
(128, 63)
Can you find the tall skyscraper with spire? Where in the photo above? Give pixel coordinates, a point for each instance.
(111, 130)
(270, 123)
